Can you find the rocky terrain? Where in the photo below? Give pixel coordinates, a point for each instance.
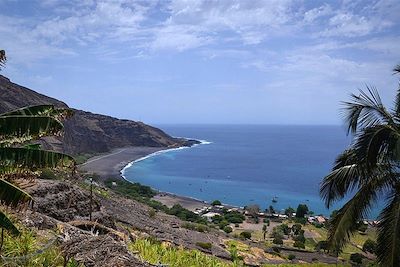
(64, 206)
(87, 132)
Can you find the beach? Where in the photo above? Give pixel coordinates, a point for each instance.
(110, 165)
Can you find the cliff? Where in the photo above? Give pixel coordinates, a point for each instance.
(87, 132)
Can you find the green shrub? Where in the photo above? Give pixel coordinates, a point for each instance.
(291, 257)
(245, 235)
(302, 221)
(48, 175)
(195, 227)
(227, 229)
(216, 203)
(299, 244)
(356, 258)
(152, 213)
(223, 224)
(204, 245)
(278, 240)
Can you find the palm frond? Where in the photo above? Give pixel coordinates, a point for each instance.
(28, 126)
(344, 177)
(11, 195)
(388, 245)
(377, 144)
(357, 208)
(396, 69)
(21, 157)
(7, 224)
(365, 110)
(3, 58)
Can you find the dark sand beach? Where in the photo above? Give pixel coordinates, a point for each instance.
(110, 165)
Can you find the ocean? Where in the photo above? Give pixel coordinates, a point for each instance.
(246, 164)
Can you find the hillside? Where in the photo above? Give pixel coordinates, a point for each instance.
(86, 132)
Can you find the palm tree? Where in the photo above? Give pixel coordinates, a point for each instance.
(370, 168)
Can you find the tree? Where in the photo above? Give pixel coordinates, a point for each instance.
(264, 230)
(16, 128)
(216, 203)
(289, 211)
(245, 235)
(296, 228)
(271, 209)
(370, 168)
(278, 240)
(302, 210)
(322, 245)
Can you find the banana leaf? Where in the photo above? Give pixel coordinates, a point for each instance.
(6, 224)
(11, 195)
(31, 126)
(22, 157)
(40, 110)
(29, 111)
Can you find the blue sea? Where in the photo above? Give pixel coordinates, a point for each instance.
(246, 164)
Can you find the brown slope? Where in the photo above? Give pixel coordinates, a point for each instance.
(87, 132)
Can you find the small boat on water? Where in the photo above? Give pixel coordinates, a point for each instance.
(274, 199)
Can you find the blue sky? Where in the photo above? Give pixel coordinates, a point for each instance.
(268, 62)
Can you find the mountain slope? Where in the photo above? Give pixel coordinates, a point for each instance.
(86, 132)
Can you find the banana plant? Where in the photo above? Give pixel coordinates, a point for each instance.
(16, 129)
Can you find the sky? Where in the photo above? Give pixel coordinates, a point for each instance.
(181, 61)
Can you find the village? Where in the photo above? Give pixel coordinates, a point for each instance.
(290, 230)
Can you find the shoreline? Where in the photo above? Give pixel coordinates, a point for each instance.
(113, 164)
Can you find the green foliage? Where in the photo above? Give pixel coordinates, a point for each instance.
(28, 245)
(156, 253)
(228, 229)
(322, 245)
(152, 213)
(132, 190)
(299, 244)
(229, 217)
(196, 227)
(296, 228)
(289, 211)
(216, 203)
(48, 174)
(356, 257)
(302, 221)
(222, 224)
(291, 257)
(204, 245)
(185, 214)
(300, 238)
(17, 127)
(368, 170)
(245, 235)
(278, 240)
(301, 211)
(369, 246)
